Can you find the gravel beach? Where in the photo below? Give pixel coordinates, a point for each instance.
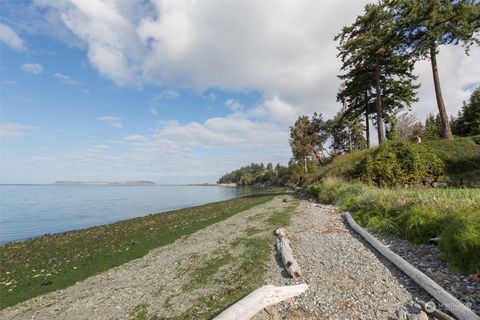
(347, 279)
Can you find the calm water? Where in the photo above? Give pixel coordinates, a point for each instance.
(32, 210)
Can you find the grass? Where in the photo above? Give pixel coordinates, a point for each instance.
(245, 272)
(414, 214)
(34, 267)
(461, 157)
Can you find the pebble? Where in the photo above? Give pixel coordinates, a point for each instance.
(427, 258)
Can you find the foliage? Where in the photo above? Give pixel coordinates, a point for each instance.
(433, 127)
(373, 68)
(461, 240)
(62, 259)
(461, 157)
(346, 134)
(397, 163)
(413, 214)
(423, 26)
(467, 122)
(308, 137)
(259, 175)
(406, 126)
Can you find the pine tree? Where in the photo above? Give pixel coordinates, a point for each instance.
(468, 121)
(424, 26)
(374, 71)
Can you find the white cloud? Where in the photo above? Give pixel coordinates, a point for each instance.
(65, 79)
(153, 111)
(234, 105)
(459, 76)
(11, 38)
(135, 138)
(167, 94)
(12, 129)
(285, 51)
(114, 122)
(33, 68)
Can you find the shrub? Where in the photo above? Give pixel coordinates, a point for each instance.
(413, 214)
(397, 163)
(461, 240)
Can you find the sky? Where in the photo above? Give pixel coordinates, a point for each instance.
(174, 91)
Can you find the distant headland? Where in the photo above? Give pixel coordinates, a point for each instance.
(107, 183)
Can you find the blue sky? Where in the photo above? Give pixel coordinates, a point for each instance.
(172, 91)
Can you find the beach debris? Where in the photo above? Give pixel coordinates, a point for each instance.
(286, 253)
(260, 299)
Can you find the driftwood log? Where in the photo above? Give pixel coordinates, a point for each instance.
(457, 308)
(260, 299)
(286, 253)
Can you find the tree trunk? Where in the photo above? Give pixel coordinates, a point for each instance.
(446, 130)
(380, 129)
(367, 121)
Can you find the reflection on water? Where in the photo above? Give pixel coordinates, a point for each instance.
(33, 210)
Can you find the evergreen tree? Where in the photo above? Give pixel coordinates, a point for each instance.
(468, 121)
(374, 71)
(424, 26)
(346, 134)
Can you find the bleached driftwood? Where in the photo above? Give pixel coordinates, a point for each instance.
(286, 253)
(259, 299)
(452, 304)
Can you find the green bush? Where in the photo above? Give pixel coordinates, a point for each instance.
(461, 240)
(397, 163)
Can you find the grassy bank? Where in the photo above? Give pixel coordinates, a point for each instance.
(414, 214)
(461, 158)
(53, 262)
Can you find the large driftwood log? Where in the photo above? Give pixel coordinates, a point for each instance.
(259, 299)
(457, 308)
(286, 253)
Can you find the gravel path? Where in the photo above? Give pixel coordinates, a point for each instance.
(159, 283)
(347, 279)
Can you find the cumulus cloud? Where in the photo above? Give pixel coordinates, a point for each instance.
(12, 129)
(153, 111)
(286, 50)
(114, 122)
(33, 68)
(11, 38)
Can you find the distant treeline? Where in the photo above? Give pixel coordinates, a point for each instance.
(261, 175)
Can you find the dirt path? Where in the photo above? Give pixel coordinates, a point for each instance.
(165, 283)
(347, 279)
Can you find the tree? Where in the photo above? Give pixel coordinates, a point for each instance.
(433, 127)
(307, 139)
(406, 126)
(374, 71)
(467, 122)
(424, 26)
(346, 134)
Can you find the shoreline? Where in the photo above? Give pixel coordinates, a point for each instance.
(66, 258)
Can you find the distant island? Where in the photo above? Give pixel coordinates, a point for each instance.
(108, 183)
